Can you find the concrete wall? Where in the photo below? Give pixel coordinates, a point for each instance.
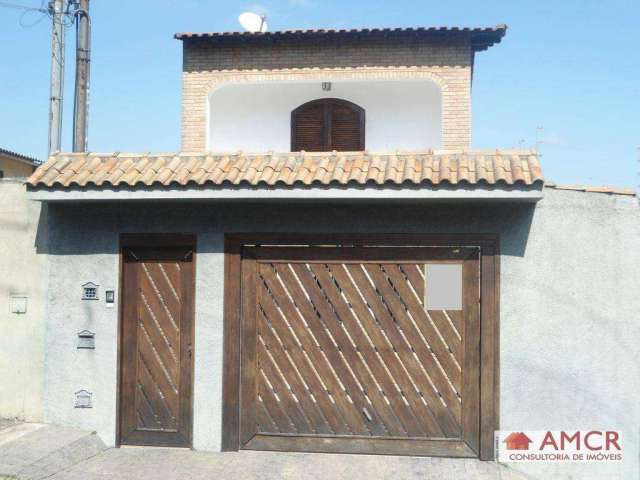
(22, 272)
(400, 115)
(207, 67)
(569, 305)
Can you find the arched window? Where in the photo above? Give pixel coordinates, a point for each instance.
(327, 124)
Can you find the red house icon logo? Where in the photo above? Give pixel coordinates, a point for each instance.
(517, 441)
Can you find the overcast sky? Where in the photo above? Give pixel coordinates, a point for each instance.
(571, 67)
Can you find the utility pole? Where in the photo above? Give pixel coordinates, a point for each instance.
(83, 57)
(56, 8)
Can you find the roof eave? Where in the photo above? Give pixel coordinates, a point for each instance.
(356, 193)
(481, 38)
(20, 158)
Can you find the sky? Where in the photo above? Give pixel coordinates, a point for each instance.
(565, 78)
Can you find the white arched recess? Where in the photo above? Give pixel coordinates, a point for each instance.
(253, 115)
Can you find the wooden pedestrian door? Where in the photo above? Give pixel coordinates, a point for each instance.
(341, 353)
(156, 346)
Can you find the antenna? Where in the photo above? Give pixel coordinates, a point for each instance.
(252, 22)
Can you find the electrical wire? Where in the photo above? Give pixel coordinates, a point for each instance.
(39, 19)
(42, 16)
(67, 18)
(23, 7)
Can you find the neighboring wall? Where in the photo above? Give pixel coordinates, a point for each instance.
(570, 327)
(22, 272)
(207, 66)
(12, 168)
(569, 305)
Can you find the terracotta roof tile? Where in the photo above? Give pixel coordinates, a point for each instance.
(296, 168)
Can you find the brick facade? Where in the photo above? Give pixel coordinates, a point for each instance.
(207, 66)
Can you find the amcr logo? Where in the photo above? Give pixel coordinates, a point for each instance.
(593, 440)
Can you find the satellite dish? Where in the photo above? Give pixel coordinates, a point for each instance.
(252, 22)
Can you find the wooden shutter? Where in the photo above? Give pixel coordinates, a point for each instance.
(347, 127)
(327, 124)
(308, 128)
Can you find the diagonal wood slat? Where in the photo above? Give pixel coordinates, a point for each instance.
(155, 365)
(443, 417)
(348, 409)
(417, 311)
(165, 310)
(368, 381)
(439, 378)
(166, 318)
(146, 416)
(285, 397)
(413, 273)
(274, 407)
(448, 332)
(349, 322)
(341, 365)
(457, 320)
(310, 408)
(168, 289)
(346, 348)
(337, 351)
(415, 416)
(161, 343)
(155, 341)
(265, 422)
(158, 343)
(331, 405)
(164, 407)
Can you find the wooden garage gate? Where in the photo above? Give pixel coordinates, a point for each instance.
(332, 348)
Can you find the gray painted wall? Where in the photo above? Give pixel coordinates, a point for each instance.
(569, 304)
(22, 272)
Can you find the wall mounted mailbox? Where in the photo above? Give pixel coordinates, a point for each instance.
(90, 291)
(18, 304)
(86, 340)
(110, 297)
(83, 399)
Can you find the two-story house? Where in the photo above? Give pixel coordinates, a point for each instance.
(331, 329)
(319, 268)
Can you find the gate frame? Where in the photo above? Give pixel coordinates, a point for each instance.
(489, 315)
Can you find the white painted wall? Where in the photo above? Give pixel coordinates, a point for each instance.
(403, 115)
(22, 272)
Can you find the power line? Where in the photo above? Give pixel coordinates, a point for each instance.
(39, 16)
(66, 19)
(22, 7)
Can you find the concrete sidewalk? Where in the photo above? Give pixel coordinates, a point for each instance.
(36, 450)
(141, 463)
